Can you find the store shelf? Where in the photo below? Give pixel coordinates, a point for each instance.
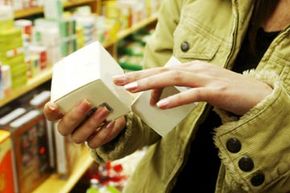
(30, 85)
(39, 10)
(46, 75)
(124, 33)
(56, 185)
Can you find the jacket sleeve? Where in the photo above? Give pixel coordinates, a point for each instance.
(255, 148)
(157, 52)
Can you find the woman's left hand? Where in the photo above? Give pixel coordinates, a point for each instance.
(220, 87)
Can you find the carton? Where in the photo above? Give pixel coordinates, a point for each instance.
(30, 150)
(6, 168)
(162, 121)
(87, 74)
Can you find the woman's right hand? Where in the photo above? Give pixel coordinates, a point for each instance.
(94, 130)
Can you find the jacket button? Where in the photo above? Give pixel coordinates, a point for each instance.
(233, 145)
(258, 179)
(185, 46)
(246, 164)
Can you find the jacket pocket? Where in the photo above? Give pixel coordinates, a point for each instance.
(191, 42)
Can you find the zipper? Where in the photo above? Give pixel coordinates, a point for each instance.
(235, 33)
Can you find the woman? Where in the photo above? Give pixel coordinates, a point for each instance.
(243, 118)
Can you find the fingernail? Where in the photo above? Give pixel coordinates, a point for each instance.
(102, 112)
(85, 105)
(131, 86)
(119, 78)
(163, 103)
(110, 125)
(52, 106)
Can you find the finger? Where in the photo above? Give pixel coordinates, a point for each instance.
(183, 98)
(165, 79)
(81, 134)
(73, 118)
(155, 96)
(106, 134)
(121, 80)
(52, 112)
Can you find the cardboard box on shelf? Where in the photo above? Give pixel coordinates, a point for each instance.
(38, 102)
(6, 17)
(62, 151)
(6, 168)
(66, 154)
(30, 150)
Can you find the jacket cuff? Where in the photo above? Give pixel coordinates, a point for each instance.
(253, 147)
(135, 136)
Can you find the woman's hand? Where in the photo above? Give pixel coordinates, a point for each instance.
(93, 129)
(220, 87)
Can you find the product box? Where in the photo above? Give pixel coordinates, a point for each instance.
(66, 154)
(9, 117)
(38, 102)
(62, 151)
(30, 150)
(6, 17)
(87, 74)
(162, 121)
(6, 168)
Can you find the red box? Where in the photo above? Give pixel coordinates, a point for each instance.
(6, 168)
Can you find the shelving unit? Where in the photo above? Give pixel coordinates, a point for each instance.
(46, 75)
(39, 10)
(56, 185)
(124, 33)
(30, 85)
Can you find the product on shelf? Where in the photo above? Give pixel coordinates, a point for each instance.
(6, 17)
(6, 168)
(12, 115)
(131, 63)
(88, 25)
(38, 102)
(66, 154)
(22, 4)
(47, 34)
(11, 53)
(26, 28)
(30, 148)
(53, 9)
(112, 177)
(37, 60)
(106, 178)
(5, 80)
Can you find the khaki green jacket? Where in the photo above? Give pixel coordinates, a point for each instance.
(214, 30)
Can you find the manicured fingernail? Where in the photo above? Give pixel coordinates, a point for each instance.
(110, 125)
(119, 78)
(102, 112)
(85, 105)
(131, 86)
(163, 103)
(52, 106)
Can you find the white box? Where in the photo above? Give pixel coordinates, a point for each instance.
(162, 121)
(87, 74)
